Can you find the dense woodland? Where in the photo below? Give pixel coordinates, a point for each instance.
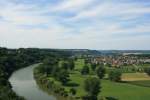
(13, 59)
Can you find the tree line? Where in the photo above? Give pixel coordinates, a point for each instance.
(13, 59)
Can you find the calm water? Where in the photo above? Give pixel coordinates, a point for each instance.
(24, 85)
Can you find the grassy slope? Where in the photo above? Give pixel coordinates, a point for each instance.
(145, 83)
(135, 76)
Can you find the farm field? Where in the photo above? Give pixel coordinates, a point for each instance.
(135, 77)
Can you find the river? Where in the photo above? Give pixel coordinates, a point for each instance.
(24, 85)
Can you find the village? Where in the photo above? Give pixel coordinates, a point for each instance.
(119, 60)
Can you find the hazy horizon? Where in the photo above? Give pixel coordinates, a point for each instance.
(75, 24)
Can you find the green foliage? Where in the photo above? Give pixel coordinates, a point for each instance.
(73, 91)
(71, 64)
(13, 59)
(50, 84)
(68, 64)
(85, 70)
(50, 61)
(92, 86)
(108, 65)
(147, 70)
(93, 67)
(115, 75)
(65, 65)
(63, 76)
(100, 72)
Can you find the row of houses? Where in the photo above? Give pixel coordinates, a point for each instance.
(120, 60)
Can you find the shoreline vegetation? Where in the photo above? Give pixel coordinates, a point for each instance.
(50, 86)
(15, 59)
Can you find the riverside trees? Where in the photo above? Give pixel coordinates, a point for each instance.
(13, 59)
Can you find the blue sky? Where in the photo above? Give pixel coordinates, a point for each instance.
(79, 24)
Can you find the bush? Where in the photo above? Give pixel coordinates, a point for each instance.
(92, 87)
(93, 66)
(115, 75)
(100, 72)
(87, 97)
(147, 70)
(85, 70)
(73, 91)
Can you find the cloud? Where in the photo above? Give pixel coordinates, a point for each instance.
(111, 9)
(71, 5)
(89, 24)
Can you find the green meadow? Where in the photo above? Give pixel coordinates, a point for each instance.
(134, 86)
(132, 90)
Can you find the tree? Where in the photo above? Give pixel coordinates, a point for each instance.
(115, 75)
(71, 65)
(93, 67)
(147, 70)
(92, 87)
(108, 65)
(50, 61)
(63, 76)
(73, 91)
(100, 72)
(65, 65)
(55, 72)
(85, 70)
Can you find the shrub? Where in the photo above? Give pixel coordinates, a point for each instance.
(85, 70)
(92, 87)
(147, 70)
(115, 75)
(100, 72)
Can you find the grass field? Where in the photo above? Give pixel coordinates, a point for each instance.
(121, 91)
(79, 64)
(135, 90)
(125, 91)
(145, 83)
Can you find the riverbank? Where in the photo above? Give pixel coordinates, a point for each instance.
(51, 87)
(23, 84)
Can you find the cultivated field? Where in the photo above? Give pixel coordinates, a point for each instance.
(135, 77)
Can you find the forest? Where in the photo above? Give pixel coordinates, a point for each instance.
(14, 59)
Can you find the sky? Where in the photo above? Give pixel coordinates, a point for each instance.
(75, 24)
